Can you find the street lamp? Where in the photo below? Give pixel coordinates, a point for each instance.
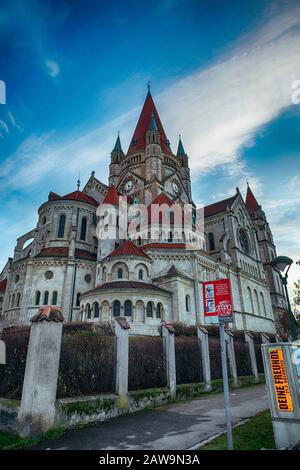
(282, 264)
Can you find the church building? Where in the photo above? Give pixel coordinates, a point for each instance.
(154, 274)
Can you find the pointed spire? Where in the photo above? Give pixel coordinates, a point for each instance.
(118, 147)
(152, 126)
(138, 141)
(180, 151)
(251, 202)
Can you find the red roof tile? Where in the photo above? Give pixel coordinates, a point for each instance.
(80, 196)
(127, 285)
(217, 207)
(62, 252)
(128, 248)
(139, 137)
(112, 196)
(3, 285)
(166, 246)
(251, 202)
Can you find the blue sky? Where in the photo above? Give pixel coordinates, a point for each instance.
(221, 73)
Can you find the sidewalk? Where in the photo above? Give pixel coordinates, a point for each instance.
(176, 426)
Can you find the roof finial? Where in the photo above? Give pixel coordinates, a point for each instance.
(78, 182)
(149, 85)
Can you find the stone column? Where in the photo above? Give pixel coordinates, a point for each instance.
(122, 335)
(250, 342)
(37, 410)
(168, 333)
(231, 355)
(205, 358)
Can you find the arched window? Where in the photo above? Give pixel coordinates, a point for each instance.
(61, 226)
(104, 274)
(263, 304)
(211, 242)
(18, 299)
(149, 309)
(141, 274)
(13, 301)
(46, 297)
(83, 228)
(128, 308)
(116, 308)
(88, 311)
(37, 297)
(78, 299)
(187, 303)
(54, 297)
(159, 310)
(258, 312)
(96, 310)
(120, 273)
(250, 299)
(170, 239)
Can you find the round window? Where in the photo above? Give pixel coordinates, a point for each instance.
(49, 274)
(87, 278)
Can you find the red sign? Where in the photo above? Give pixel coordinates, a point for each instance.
(217, 301)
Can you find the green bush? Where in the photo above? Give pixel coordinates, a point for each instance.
(242, 358)
(188, 360)
(146, 363)
(12, 373)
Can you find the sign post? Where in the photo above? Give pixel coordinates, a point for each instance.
(218, 309)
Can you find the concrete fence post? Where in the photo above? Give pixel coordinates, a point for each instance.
(250, 342)
(37, 411)
(202, 335)
(231, 356)
(168, 333)
(122, 334)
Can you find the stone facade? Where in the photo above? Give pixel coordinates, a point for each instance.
(63, 262)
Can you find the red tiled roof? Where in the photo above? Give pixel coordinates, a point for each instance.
(161, 213)
(80, 196)
(162, 199)
(128, 248)
(139, 137)
(217, 207)
(127, 285)
(165, 246)
(62, 252)
(251, 202)
(112, 196)
(3, 285)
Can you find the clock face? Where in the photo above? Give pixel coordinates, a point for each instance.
(128, 186)
(175, 187)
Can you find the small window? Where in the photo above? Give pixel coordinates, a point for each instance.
(54, 298)
(88, 310)
(149, 309)
(13, 300)
(159, 310)
(120, 273)
(18, 299)
(78, 299)
(141, 274)
(128, 308)
(211, 242)
(187, 303)
(96, 310)
(116, 308)
(83, 229)
(61, 226)
(37, 297)
(46, 297)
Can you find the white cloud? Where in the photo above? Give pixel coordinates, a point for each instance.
(52, 68)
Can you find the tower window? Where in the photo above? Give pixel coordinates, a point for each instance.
(128, 308)
(187, 303)
(54, 297)
(211, 242)
(120, 273)
(37, 297)
(159, 310)
(96, 310)
(46, 297)
(149, 309)
(61, 226)
(83, 229)
(141, 274)
(78, 299)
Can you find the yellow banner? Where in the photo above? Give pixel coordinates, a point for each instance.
(281, 384)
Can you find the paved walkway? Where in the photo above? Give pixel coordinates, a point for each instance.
(176, 426)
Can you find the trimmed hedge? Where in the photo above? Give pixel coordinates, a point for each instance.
(188, 360)
(12, 373)
(242, 357)
(87, 364)
(215, 358)
(146, 363)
